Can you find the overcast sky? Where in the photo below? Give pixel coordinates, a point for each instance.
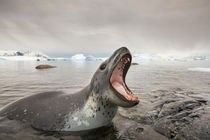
(101, 26)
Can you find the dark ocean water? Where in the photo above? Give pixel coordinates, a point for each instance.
(20, 78)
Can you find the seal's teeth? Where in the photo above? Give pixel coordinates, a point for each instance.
(128, 59)
(129, 92)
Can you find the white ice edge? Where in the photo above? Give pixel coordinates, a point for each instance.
(200, 69)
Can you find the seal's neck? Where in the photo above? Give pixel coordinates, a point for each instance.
(100, 105)
(97, 112)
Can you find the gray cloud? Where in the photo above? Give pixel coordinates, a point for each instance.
(101, 26)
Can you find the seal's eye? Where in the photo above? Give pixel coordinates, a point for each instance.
(103, 66)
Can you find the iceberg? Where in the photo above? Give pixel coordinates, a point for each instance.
(199, 69)
(80, 57)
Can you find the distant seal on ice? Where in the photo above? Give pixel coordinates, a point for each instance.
(92, 107)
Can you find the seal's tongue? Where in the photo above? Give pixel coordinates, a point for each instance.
(117, 79)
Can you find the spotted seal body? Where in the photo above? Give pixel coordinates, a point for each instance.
(92, 107)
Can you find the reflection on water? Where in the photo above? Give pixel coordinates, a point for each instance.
(19, 79)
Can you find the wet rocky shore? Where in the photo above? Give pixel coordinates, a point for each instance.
(166, 114)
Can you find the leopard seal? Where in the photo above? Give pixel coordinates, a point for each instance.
(92, 107)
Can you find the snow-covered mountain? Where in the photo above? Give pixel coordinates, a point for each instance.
(19, 55)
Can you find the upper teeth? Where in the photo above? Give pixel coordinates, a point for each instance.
(125, 60)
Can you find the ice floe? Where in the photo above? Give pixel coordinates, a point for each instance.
(199, 69)
(80, 57)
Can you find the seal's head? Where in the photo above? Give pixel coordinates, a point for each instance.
(109, 79)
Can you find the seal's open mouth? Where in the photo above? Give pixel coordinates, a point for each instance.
(117, 79)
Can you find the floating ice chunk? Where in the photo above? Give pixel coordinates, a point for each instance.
(200, 69)
(78, 57)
